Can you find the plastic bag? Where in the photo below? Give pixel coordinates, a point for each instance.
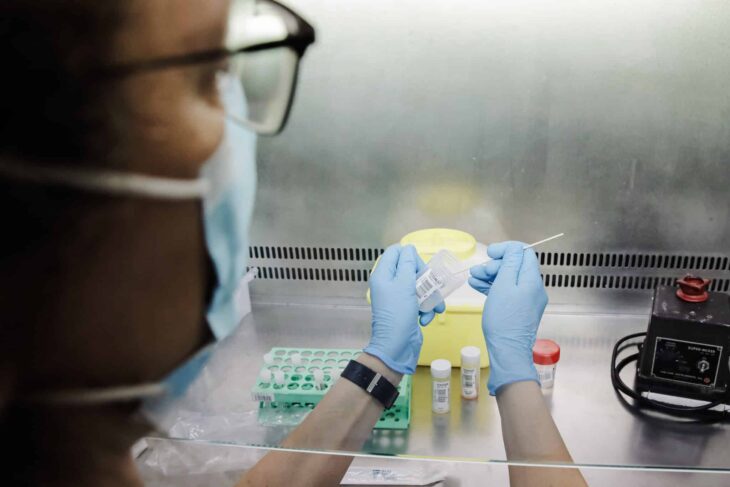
(406, 475)
(180, 459)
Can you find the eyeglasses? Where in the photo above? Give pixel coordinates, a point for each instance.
(264, 43)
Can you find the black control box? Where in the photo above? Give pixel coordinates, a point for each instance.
(687, 347)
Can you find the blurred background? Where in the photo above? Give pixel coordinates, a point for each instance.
(607, 120)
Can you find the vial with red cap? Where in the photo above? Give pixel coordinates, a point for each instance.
(546, 354)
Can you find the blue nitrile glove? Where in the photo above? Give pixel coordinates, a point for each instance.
(512, 312)
(397, 338)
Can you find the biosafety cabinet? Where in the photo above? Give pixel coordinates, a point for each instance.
(506, 120)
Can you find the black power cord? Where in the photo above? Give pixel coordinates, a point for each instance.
(622, 388)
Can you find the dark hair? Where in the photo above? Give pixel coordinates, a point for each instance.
(51, 107)
(51, 111)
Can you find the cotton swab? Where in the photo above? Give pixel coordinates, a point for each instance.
(539, 242)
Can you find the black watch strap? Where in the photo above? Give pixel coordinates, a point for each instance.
(372, 382)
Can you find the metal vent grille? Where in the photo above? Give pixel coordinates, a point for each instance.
(550, 280)
(620, 282)
(578, 270)
(575, 259)
(636, 261)
(312, 274)
(315, 253)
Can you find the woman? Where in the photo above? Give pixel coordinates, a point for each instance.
(127, 184)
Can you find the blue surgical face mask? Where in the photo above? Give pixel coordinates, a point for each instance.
(227, 209)
(227, 186)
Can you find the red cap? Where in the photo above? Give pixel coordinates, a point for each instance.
(545, 352)
(693, 289)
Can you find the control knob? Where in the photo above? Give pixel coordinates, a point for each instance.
(703, 365)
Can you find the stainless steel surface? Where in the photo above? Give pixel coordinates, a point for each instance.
(194, 464)
(609, 120)
(596, 428)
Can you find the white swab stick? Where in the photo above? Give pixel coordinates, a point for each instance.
(543, 241)
(539, 242)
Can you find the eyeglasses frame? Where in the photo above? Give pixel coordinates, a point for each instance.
(299, 38)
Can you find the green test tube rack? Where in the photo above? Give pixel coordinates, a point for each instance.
(300, 390)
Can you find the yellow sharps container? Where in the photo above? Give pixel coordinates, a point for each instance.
(461, 324)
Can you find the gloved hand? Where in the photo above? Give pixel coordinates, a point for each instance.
(512, 312)
(396, 337)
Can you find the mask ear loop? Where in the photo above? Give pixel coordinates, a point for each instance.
(107, 182)
(94, 397)
(173, 386)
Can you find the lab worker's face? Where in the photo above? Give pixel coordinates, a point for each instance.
(130, 306)
(175, 122)
(174, 115)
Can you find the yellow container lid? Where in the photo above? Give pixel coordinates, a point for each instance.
(431, 240)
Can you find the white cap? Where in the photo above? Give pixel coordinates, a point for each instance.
(265, 375)
(318, 375)
(279, 377)
(296, 359)
(441, 369)
(470, 356)
(269, 358)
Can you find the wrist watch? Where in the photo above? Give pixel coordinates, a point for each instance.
(372, 382)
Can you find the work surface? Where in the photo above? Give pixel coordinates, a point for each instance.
(598, 430)
(194, 464)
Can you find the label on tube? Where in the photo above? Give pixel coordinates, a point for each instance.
(426, 285)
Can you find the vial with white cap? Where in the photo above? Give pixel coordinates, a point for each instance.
(265, 376)
(470, 372)
(318, 375)
(279, 379)
(269, 358)
(441, 384)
